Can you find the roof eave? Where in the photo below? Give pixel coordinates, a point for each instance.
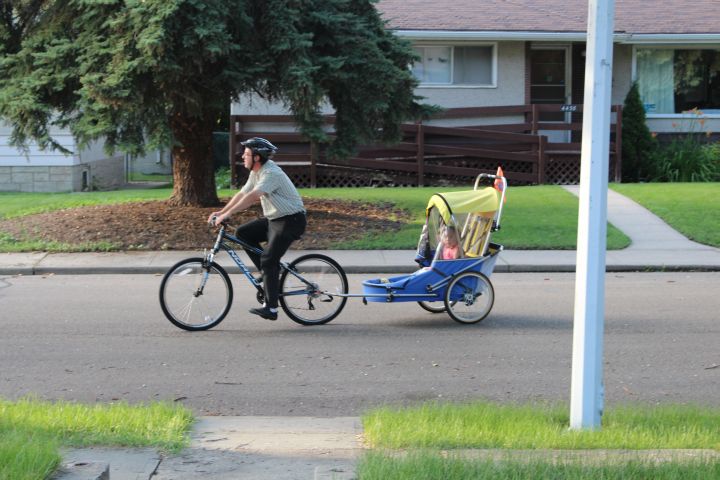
(454, 35)
(678, 38)
(499, 35)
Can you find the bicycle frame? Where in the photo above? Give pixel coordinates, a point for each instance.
(220, 243)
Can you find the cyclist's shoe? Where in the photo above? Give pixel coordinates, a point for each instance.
(264, 312)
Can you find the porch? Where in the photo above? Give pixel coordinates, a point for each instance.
(449, 149)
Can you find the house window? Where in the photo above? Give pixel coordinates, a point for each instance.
(675, 81)
(452, 65)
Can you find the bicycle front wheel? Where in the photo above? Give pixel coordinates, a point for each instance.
(309, 288)
(195, 296)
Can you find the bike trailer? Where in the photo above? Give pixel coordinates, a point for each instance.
(454, 242)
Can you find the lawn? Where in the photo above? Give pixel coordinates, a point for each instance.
(31, 431)
(487, 425)
(539, 217)
(691, 208)
(543, 217)
(150, 177)
(535, 218)
(431, 438)
(18, 204)
(436, 466)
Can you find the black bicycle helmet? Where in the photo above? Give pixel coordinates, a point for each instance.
(260, 146)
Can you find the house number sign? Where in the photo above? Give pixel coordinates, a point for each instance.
(568, 108)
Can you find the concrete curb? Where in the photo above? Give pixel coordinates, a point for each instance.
(500, 267)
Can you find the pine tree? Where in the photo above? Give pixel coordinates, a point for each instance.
(156, 73)
(638, 144)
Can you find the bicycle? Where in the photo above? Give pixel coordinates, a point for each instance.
(196, 293)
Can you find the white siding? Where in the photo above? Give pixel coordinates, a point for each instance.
(94, 152)
(510, 88)
(10, 156)
(622, 73)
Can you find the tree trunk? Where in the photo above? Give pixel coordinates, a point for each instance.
(193, 169)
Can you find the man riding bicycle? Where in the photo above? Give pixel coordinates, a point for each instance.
(283, 222)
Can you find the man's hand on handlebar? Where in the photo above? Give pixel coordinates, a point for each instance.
(217, 219)
(211, 218)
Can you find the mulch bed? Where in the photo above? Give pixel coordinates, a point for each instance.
(159, 226)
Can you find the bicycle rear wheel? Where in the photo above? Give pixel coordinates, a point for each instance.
(308, 288)
(194, 296)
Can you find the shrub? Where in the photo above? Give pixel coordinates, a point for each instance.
(689, 158)
(638, 144)
(222, 178)
(684, 160)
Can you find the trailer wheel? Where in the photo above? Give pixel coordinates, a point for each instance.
(469, 297)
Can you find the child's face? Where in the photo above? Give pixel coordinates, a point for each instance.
(450, 238)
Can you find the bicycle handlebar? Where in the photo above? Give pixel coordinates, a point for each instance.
(213, 222)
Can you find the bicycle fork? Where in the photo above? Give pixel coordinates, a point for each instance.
(208, 258)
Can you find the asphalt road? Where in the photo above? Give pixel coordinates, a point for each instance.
(103, 338)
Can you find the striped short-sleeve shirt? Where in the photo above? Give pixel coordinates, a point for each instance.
(280, 198)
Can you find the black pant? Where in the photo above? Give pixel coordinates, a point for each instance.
(278, 234)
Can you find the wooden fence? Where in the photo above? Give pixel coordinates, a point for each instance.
(480, 140)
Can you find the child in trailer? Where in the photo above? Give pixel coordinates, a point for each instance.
(448, 248)
(449, 244)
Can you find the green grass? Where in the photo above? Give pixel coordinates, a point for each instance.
(8, 243)
(691, 208)
(24, 456)
(540, 217)
(545, 217)
(19, 204)
(485, 425)
(31, 431)
(420, 442)
(433, 466)
(412, 200)
(150, 177)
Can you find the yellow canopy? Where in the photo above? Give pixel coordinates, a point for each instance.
(468, 201)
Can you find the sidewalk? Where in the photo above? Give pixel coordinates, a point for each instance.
(655, 247)
(251, 448)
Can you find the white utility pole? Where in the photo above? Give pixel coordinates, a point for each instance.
(586, 396)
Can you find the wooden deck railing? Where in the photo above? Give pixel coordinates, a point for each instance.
(514, 140)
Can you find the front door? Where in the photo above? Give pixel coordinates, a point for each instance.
(550, 83)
